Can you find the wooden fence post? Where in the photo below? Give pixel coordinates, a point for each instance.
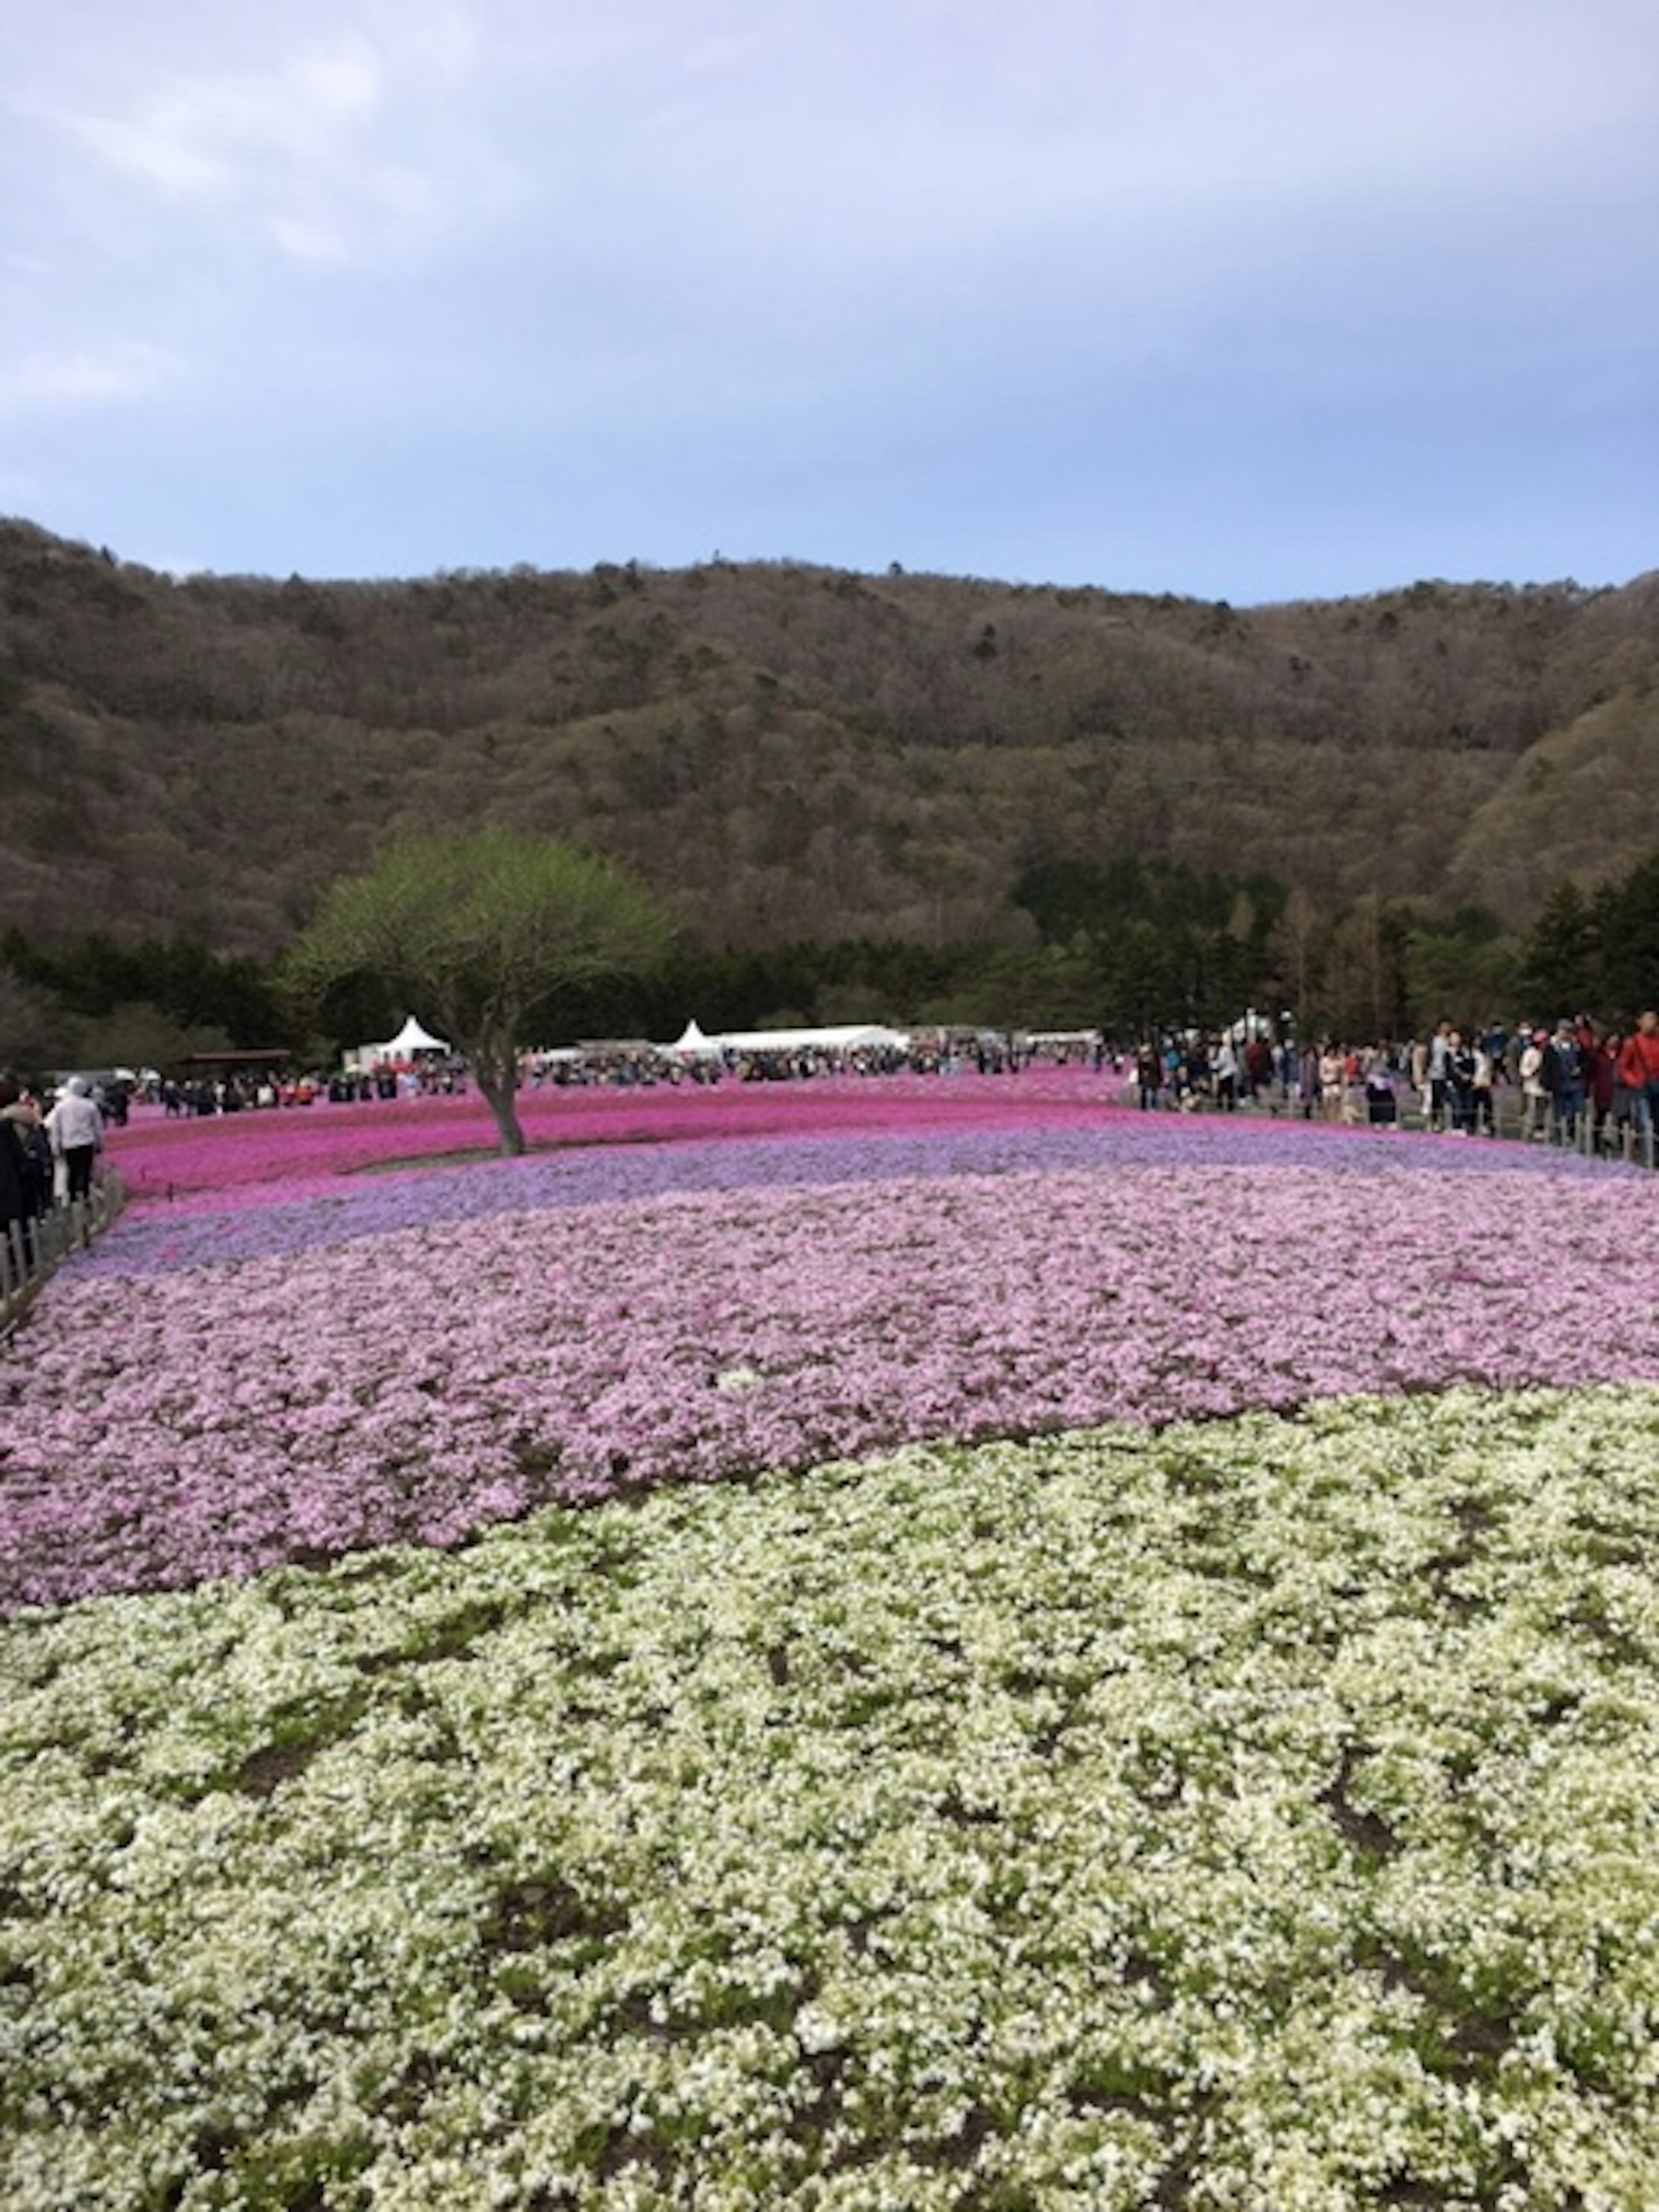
(31, 1255)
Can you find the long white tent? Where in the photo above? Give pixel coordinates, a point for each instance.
(846, 1036)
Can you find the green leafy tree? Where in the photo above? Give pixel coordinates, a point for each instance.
(474, 932)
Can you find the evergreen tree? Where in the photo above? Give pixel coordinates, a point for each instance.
(1628, 918)
(1561, 969)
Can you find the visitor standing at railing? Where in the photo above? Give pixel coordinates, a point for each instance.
(1609, 1101)
(1333, 1066)
(1440, 1076)
(16, 1206)
(21, 1110)
(1534, 1093)
(1638, 1070)
(1483, 1107)
(1460, 1066)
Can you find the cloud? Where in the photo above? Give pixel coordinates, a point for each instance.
(864, 137)
(153, 150)
(606, 233)
(928, 132)
(303, 239)
(231, 135)
(344, 80)
(327, 147)
(96, 377)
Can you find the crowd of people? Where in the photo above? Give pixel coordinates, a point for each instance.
(241, 1092)
(647, 1065)
(48, 1149)
(1575, 1082)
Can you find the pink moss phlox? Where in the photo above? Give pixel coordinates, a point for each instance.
(423, 1380)
(174, 1160)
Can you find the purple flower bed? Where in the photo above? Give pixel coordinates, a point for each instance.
(433, 1354)
(261, 1221)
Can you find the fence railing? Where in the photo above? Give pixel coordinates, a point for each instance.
(31, 1252)
(1505, 1114)
(1539, 1121)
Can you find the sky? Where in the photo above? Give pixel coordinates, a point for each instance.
(1252, 300)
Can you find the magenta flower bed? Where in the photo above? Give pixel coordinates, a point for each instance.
(178, 1160)
(168, 1417)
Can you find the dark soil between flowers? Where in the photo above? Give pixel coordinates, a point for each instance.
(477, 1155)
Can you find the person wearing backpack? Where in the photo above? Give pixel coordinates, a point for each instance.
(14, 1207)
(26, 1162)
(38, 1163)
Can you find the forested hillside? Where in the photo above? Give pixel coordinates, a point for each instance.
(788, 753)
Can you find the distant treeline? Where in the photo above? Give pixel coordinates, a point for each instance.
(1121, 945)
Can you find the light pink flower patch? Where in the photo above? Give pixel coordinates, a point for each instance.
(423, 1382)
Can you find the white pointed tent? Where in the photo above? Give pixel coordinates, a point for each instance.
(691, 1039)
(409, 1040)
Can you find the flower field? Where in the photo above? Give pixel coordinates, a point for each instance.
(884, 1645)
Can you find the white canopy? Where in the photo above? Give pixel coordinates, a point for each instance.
(847, 1036)
(409, 1040)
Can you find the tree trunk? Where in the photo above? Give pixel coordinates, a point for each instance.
(501, 1093)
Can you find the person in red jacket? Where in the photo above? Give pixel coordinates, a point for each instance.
(1639, 1070)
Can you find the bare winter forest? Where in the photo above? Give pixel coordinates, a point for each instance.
(787, 752)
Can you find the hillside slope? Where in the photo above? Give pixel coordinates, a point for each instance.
(789, 751)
